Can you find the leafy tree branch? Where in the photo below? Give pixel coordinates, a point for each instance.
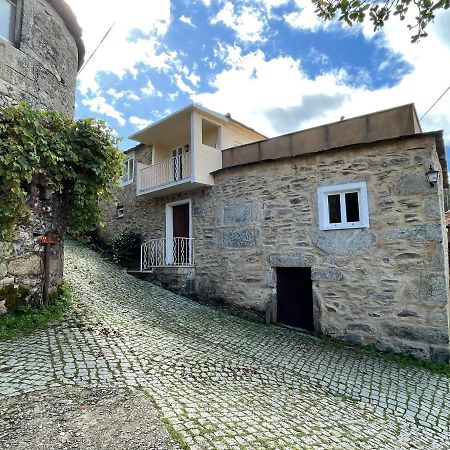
(78, 159)
(379, 12)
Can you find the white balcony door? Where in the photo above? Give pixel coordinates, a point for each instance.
(177, 158)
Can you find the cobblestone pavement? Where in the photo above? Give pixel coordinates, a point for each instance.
(222, 382)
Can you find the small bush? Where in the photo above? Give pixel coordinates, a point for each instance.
(14, 297)
(26, 319)
(126, 247)
(98, 244)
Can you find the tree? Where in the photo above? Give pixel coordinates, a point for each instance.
(78, 159)
(379, 11)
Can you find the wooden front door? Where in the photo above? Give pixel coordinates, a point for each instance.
(295, 297)
(181, 250)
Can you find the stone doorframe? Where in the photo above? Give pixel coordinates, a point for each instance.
(169, 224)
(292, 260)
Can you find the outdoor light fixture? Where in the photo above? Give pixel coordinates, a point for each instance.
(432, 176)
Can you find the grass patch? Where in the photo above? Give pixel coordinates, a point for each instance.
(175, 435)
(28, 319)
(400, 358)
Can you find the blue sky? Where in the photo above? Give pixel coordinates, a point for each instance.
(272, 64)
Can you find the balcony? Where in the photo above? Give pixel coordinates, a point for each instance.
(163, 174)
(175, 252)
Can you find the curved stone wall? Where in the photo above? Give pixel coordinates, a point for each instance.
(41, 67)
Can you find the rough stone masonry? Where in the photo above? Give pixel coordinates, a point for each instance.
(40, 67)
(385, 285)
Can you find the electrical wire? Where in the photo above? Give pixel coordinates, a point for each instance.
(96, 48)
(434, 104)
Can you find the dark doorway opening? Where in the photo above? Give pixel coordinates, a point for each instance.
(295, 297)
(181, 242)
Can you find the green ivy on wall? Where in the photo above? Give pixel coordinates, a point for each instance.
(77, 158)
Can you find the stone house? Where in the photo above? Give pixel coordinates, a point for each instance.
(337, 229)
(41, 52)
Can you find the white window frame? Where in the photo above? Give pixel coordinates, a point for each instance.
(13, 25)
(119, 212)
(342, 189)
(124, 179)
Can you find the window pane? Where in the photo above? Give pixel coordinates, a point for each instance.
(334, 208)
(352, 206)
(7, 19)
(130, 169)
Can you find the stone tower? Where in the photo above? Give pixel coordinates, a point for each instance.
(41, 51)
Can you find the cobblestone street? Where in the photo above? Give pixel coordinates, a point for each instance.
(223, 382)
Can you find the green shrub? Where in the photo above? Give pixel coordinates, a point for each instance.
(27, 319)
(126, 247)
(14, 297)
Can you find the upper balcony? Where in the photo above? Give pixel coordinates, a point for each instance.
(186, 147)
(166, 174)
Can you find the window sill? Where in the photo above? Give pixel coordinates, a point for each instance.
(126, 183)
(344, 226)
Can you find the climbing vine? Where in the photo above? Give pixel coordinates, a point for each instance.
(77, 158)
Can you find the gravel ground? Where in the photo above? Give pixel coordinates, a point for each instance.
(82, 419)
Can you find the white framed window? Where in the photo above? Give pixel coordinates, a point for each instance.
(8, 13)
(128, 172)
(119, 212)
(343, 206)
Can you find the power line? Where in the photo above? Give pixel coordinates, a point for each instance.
(433, 105)
(96, 48)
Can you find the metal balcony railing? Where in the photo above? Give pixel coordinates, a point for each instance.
(177, 251)
(165, 172)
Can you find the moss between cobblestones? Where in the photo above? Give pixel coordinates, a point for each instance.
(401, 359)
(26, 319)
(175, 435)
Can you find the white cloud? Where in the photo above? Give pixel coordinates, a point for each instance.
(173, 95)
(249, 23)
(150, 90)
(269, 4)
(99, 105)
(118, 54)
(182, 85)
(187, 21)
(117, 95)
(194, 78)
(138, 122)
(275, 95)
(306, 18)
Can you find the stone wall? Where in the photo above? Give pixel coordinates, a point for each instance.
(386, 285)
(42, 68)
(21, 261)
(142, 214)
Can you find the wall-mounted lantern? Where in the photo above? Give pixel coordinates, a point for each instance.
(432, 176)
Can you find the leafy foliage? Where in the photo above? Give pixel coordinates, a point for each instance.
(77, 158)
(379, 11)
(26, 319)
(126, 247)
(14, 298)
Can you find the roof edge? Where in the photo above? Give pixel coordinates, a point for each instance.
(438, 135)
(195, 107)
(68, 16)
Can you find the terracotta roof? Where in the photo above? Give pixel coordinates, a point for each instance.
(447, 218)
(69, 18)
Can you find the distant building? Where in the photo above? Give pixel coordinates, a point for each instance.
(40, 52)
